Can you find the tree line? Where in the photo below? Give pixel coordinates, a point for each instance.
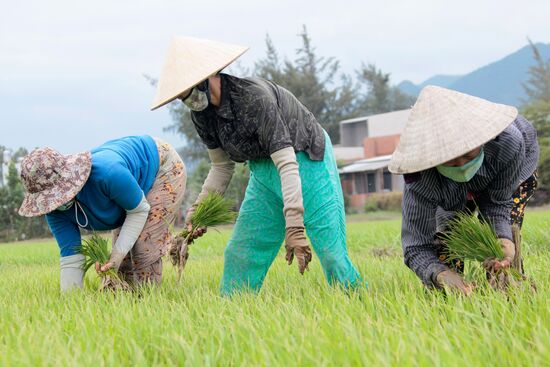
(13, 227)
(320, 85)
(318, 82)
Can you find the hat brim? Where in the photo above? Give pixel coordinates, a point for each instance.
(77, 170)
(445, 124)
(190, 61)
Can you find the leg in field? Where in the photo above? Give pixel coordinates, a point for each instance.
(256, 240)
(325, 220)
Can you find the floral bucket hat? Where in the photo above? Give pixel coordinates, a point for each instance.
(51, 179)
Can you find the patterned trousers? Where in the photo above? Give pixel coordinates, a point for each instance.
(144, 261)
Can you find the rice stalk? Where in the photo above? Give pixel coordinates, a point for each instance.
(469, 238)
(213, 210)
(96, 249)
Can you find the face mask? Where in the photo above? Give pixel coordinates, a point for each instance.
(463, 173)
(199, 98)
(66, 206)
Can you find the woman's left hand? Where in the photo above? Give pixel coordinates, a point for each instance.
(103, 268)
(509, 251)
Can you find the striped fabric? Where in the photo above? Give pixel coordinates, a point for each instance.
(429, 197)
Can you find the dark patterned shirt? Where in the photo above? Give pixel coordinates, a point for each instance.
(257, 118)
(429, 198)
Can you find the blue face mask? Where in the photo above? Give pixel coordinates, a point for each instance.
(463, 173)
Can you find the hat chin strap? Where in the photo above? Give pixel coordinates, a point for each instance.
(76, 206)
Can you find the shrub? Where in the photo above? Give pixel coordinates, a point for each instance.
(389, 201)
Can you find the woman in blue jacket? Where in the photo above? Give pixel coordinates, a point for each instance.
(133, 185)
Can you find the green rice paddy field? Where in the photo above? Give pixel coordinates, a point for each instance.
(294, 320)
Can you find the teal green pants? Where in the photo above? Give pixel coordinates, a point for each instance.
(260, 228)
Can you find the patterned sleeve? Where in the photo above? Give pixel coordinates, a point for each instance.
(417, 235)
(496, 202)
(273, 131)
(207, 138)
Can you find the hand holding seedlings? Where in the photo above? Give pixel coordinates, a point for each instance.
(99, 268)
(96, 251)
(211, 211)
(469, 238)
(452, 280)
(193, 233)
(508, 248)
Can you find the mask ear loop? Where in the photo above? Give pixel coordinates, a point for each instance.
(76, 206)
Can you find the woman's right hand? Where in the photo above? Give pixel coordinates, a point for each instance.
(452, 280)
(197, 232)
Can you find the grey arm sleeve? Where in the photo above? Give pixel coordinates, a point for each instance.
(72, 273)
(219, 175)
(291, 186)
(130, 231)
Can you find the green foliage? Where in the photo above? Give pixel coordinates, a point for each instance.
(468, 238)
(370, 206)
(537, 110)
(237, 187)
(213, 210)
(312, 79)
(537, 87)
(95, 249)
(387, 201)
(235, 191)
(295, 320)
(330, 95)
(379, 96)
(14, 227)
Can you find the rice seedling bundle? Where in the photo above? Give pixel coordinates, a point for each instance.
(96, 249)
(469, 238)
(213, 210)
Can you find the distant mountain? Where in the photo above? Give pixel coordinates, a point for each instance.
(440, 80)
(500, 81)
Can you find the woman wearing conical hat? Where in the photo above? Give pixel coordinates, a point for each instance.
(294, 183)
(459, 151)
(133, 185)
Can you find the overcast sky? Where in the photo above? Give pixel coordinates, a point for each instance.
(71, 72)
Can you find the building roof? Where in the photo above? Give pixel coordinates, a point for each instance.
(364, 165)
(378, 116)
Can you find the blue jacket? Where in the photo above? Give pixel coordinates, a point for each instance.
(123, 171)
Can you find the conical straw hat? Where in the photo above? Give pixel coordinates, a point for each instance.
(445, 124)
(189, 62)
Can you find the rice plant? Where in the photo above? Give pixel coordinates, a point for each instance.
(96, 249)
(295, 320)
(468, 238)
(213, 210)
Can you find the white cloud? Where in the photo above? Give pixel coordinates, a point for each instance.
(81, 63)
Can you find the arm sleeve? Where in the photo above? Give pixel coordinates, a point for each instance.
(291, 186)
(495, 203)
(66, 233)
(417, 235)
(130, 231)
(273, 132)
(71, 272)
(219, 176)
